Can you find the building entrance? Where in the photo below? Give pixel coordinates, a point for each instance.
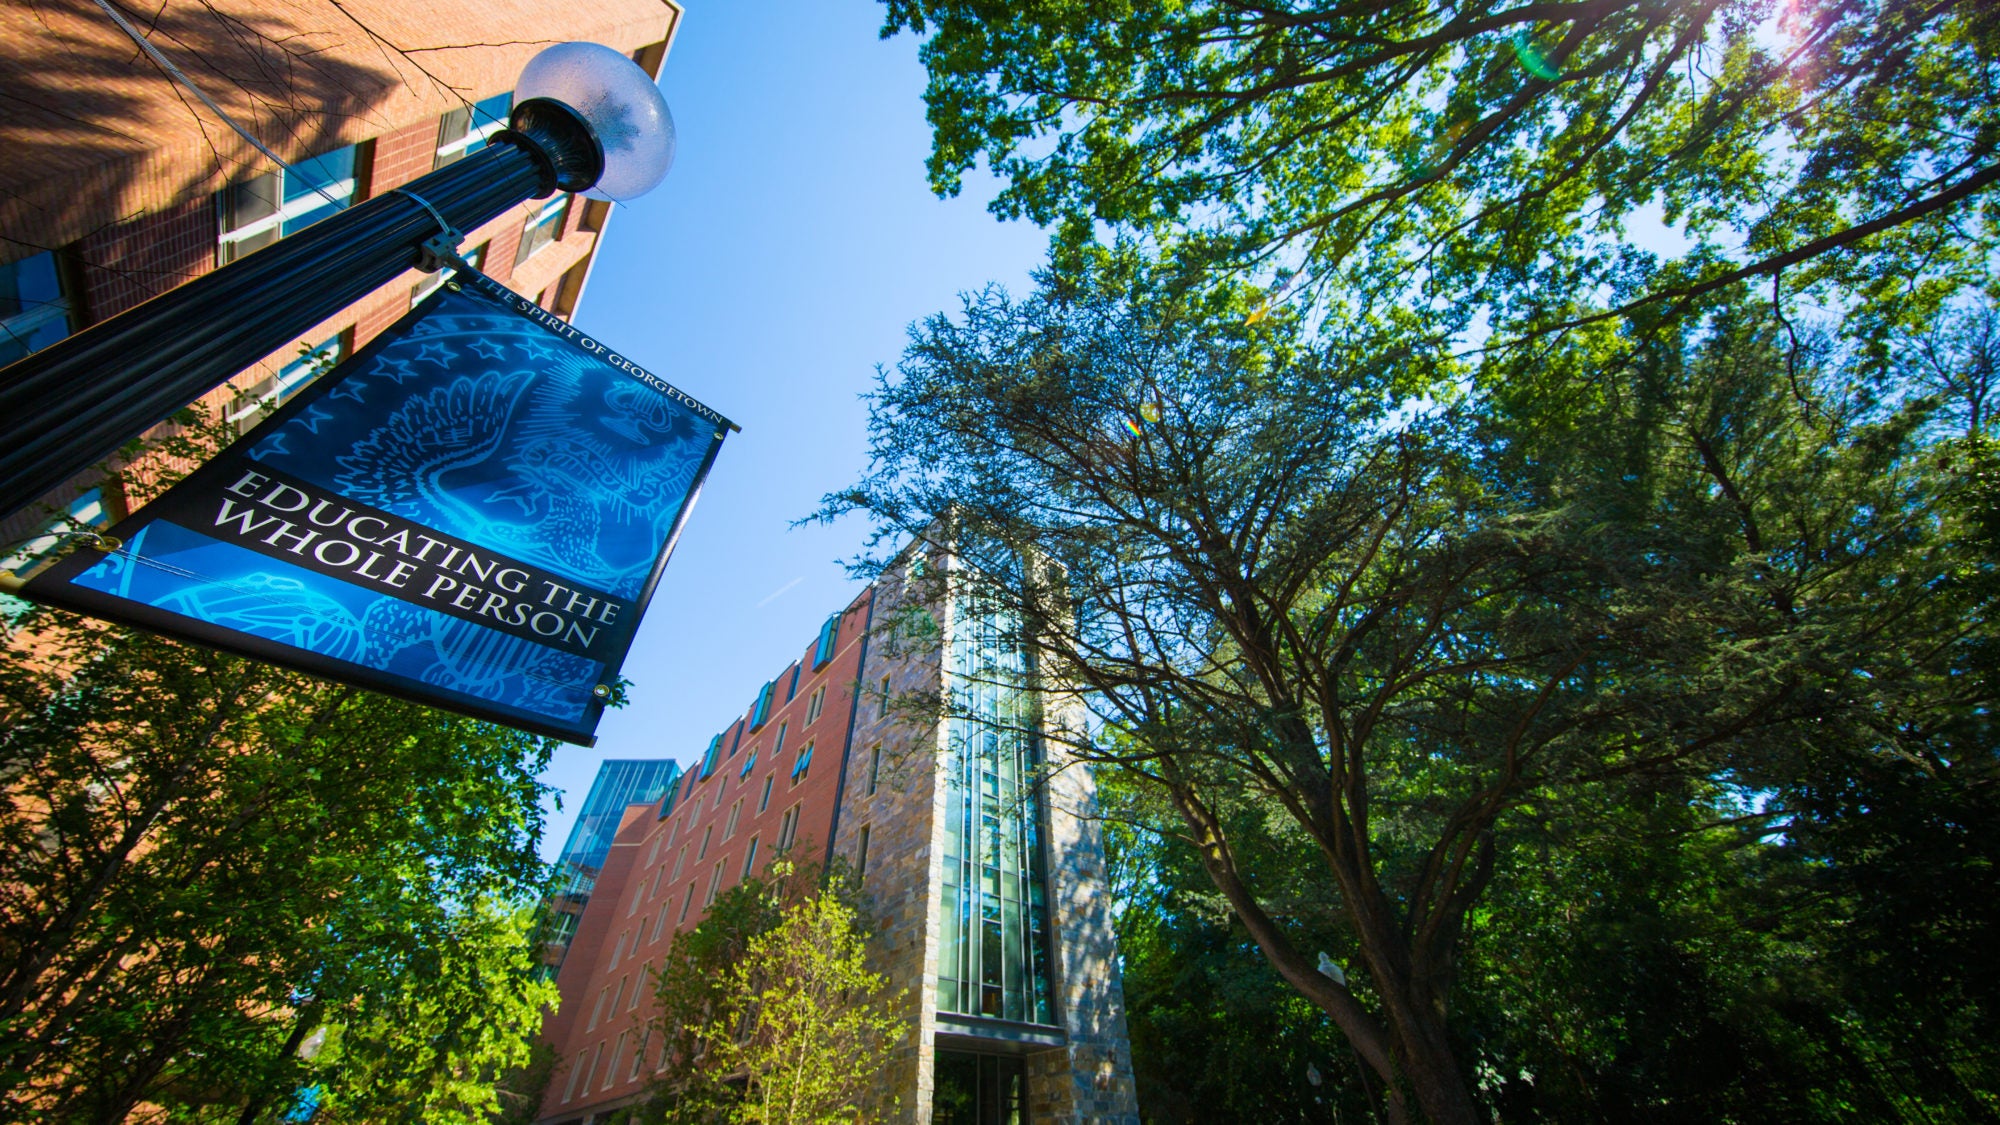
(979, 1090)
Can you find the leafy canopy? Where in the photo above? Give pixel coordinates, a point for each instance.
(1415, 166)
(1346, 639)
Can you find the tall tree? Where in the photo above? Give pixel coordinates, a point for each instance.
(447, 1016)
(1348, 632)
(805, 1030)
(767, 1010)
(1427, 164)
(209, 859)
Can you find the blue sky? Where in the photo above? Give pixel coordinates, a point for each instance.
(782, 260)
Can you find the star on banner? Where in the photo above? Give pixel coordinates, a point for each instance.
(442, 358)
(488, 348)
(313, 416)
(397, 369)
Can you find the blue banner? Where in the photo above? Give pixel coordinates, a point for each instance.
(472, 512)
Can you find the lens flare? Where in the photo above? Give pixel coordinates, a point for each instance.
(1150, 411)
(1532, 59)
(1133, 426)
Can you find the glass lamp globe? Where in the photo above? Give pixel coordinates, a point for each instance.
(622, 104)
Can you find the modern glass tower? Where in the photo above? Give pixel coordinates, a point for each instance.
(620, 782)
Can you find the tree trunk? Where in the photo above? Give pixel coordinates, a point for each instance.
(1412, 1055)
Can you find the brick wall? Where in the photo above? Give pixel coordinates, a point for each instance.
(622, 931)
(94, 135)
(131, 262)
(402, 155)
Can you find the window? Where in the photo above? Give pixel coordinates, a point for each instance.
(653, 853)
(829, 637)
(764, 802)
(750, 858)
(638, 896)
(594, 1060)
(761, 709)
(804, 765)
(708, 761)
(685, 904)
(735, 813)
(993, 953)
(544, 227)
(658, 874)
(706, 834)
(597, 1013)
(269, 393)
(660, 923)
(617, 952)
(568, 290)
(259, 211)
(861, 855)
(633, 1001)
(778, 747)
(34, 309)
(86, 511)
(815, 704)
(874, 768)
(466, 130)
(620, 993)
(749, 763)
(679, 858)
(575, 1072)
(639, 1054)
(788, 828)
(475, 257)
(792, 688)
(611, 1068)
(885, 697)
(714, 887)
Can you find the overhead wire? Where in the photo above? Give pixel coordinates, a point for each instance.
(175, 73)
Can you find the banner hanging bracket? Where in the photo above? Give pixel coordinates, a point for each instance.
(441, 249)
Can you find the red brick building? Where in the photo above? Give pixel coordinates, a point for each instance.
(978, 854)
(119, 185)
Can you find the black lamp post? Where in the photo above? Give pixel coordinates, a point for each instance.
(589, 118)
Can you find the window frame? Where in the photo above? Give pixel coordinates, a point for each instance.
(338, 194)
(536, 231)
(54, 307)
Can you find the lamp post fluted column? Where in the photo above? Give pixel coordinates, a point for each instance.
(74, 403)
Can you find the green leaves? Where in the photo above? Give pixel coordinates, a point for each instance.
(769, 1013)
(1359, 650)
(209, 858)
(1426, 167)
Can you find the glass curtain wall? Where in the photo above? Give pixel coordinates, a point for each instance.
(620, 782)
(994, 907)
